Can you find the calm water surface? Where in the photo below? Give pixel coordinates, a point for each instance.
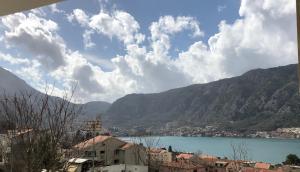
(267, 150)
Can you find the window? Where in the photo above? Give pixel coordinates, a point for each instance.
(195, 170)
(90, 153)
(116, 161)
(117, 152)
(102, 152)
(1, 157)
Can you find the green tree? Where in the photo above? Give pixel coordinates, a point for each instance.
(292, 159)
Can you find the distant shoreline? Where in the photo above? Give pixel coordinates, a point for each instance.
(242, 137)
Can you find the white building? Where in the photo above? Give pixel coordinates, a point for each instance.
(123, 168)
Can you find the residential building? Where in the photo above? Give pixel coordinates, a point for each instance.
(122, 168)
(262, 165)
(78, 165)
(161, 155)
(181, 166)
(108, 150)
(184, 156)
(4, 150)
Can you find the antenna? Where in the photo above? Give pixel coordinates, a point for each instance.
(298, 39)
(93, 126)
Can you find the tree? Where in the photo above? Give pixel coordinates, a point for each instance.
(39, 122)
(292, 159)
(170, 149)
(239, 153)
(148, 143)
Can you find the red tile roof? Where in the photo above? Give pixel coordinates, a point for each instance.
(184, 156)
(182, 165)
(88, 143)
(251, 169)
(262, 165)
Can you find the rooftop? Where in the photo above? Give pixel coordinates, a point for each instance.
(262, 165)
(126, 146)
(184, 156)
(181, 164)
(90, 142)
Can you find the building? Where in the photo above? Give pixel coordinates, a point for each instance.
(161, 155)
(108, 150)
(122, 168)
(181, 166)
(4, 150)
(262, 165)
(78, 165)
(225, 166)
(184, 156)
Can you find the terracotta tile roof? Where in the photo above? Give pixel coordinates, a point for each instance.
(88, 143)
(181, 164)
(211, 157)
(262, 165)
(184, 156)
(251, 169)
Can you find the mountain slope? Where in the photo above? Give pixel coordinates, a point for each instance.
(262, 99)
(95, 109)
(11, 84)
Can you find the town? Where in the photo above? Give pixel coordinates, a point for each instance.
(101, 152)
(149, 86)
(208, 131)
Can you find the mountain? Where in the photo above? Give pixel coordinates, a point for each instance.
(95, 109)
(261, 99)
(11, 84)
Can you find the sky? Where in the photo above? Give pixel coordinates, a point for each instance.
(109, 48)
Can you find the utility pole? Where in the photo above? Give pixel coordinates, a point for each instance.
(93, 126)
(298, 39)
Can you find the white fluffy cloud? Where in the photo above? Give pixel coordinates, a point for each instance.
(117, 24)
(168, 26)
(79, 16)
(263, 36)
(36, 35)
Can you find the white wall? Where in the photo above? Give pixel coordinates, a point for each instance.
(119, 168)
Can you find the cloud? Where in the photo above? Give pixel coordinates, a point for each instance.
(36, 35)
(84, 76)
(54, 9)
(168, 26)
(47, 49)
(263, 36)
(118, 24)
(87, 40)
(79, 16)
(221, 8)
(14, 60)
